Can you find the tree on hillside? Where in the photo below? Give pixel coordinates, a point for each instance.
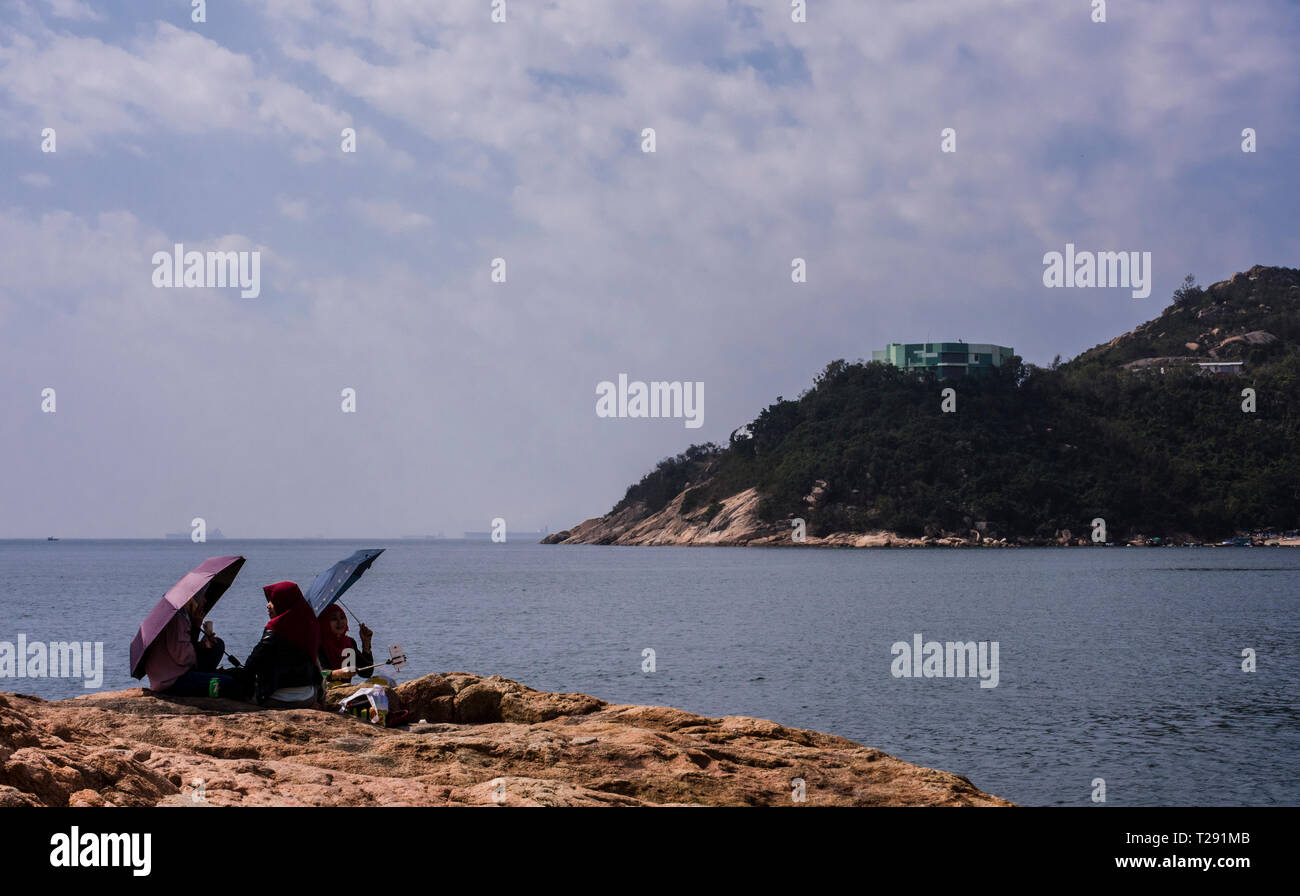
(1188, 293)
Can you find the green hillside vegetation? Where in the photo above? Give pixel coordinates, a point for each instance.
(1033, 450)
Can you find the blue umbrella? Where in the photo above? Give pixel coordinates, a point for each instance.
(331, 584)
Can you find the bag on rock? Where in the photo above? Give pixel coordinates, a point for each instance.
(369, 702)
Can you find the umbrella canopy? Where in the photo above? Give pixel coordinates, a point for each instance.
(331, 584)
(207, 582)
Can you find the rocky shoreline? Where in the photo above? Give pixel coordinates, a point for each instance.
(734, 522)
(482, 741)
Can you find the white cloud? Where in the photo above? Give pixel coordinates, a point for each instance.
(74, 10)
(389, 216)
(296, 209)
(167, 81)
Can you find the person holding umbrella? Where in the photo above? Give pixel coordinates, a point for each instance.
(167, 646)
(335, 642)
(181, 664)
(323, 595)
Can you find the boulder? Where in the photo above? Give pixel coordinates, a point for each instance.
(478, 704)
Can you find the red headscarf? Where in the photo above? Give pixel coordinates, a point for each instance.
(331, 644)
(293, 620)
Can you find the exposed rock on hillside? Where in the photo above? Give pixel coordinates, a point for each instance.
(736, 523)
(1225, 321)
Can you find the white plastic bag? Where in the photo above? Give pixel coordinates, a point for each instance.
(374, 707)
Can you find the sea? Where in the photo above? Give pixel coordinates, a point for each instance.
(1152, 676)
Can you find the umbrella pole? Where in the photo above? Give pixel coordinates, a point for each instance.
(339, 601)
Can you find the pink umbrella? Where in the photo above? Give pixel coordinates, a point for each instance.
(207, 582)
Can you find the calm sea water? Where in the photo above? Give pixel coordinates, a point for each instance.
(1120, 664)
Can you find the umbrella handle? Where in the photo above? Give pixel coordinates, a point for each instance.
(339, 601)
(230, 656)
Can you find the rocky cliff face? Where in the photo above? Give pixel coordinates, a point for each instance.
(733, 522)
(485, 741)
(737, 525)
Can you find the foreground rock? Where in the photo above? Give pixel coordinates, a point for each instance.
(484, 741)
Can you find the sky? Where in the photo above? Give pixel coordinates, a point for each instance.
(523, 140)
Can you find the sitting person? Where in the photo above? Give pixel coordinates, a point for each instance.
(341, 666)
(335, 644)
(181, 664)
(283, 669)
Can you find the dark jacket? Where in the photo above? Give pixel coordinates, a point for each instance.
(207, 658)
(276, 663)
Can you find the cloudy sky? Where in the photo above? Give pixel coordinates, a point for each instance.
(478, 140)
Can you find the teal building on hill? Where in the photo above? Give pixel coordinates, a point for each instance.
(949, 360)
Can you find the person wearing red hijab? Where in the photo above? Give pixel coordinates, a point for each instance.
(283, 667)
(339, 665)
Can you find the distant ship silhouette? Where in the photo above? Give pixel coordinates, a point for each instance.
(214, 535)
